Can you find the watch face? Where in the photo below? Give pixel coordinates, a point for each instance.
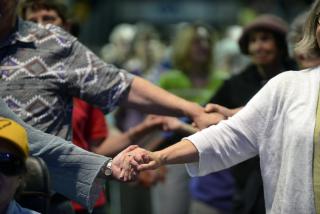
(108, 172)
(108, 168)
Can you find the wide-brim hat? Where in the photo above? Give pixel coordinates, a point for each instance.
(14, 134)
(267, 22)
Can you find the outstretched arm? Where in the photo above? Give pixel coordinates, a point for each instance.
(74, 172)
(181, 152)
(149, 98)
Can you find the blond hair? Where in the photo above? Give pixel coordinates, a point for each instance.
(308, 44)
(182, 44)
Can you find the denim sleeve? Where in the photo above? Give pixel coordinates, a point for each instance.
(73, 171)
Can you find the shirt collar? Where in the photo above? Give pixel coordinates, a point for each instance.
(24, 32)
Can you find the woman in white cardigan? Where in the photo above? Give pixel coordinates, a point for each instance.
(279, 124)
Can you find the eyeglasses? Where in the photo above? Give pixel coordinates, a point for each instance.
(11, 164)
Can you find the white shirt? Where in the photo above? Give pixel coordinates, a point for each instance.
(278, 124)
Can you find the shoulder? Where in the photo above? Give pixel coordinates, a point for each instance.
(46, 34)
(291, 84)
(301, 77)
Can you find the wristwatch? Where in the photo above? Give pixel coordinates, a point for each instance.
(107, 168)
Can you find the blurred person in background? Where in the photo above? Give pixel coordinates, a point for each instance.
(227, 54)
(192, 73)
(120, 40)
(193, 77)
(146, 51)
(144, 55)
(14, 151)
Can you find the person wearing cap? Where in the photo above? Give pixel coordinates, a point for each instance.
(14, 151)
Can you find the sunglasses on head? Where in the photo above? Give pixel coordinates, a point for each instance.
(11, 164)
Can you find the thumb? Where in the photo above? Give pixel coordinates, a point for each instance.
(209, 108)
(147, 166)
(130, 148)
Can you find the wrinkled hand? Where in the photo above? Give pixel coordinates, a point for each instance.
(141, 159)
(121, 170)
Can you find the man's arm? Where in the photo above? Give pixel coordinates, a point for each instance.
(149, 98)
(181, 152)
(74, 172)
(109, 85)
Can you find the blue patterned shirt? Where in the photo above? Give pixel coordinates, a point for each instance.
(42, 68)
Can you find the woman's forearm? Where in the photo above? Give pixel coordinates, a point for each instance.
(181, 152)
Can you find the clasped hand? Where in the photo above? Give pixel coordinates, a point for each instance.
(127, 164)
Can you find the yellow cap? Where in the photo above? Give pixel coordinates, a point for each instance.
(14, 133)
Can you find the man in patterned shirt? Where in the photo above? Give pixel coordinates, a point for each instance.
(43, 68)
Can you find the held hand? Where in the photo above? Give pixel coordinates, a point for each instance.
(129, 161)
(121, 170)
(153, 162)
(141, 159)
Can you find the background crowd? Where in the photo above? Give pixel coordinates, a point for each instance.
(220, 52)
